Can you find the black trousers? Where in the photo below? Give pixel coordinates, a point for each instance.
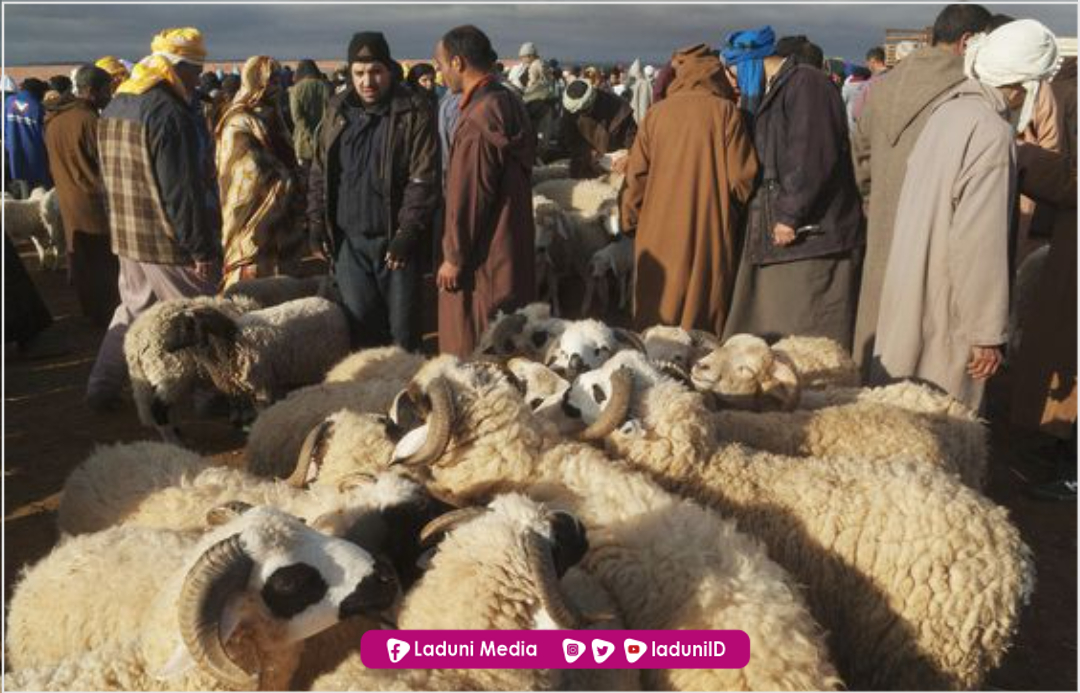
(94, 272)
(25, 314)
(383, 305)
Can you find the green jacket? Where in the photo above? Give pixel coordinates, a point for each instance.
(307, 103)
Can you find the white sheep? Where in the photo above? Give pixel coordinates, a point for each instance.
(507, 566)
(819, 361)
(668, 563)
(900, 420)
(167, 610)
(264, 292)
(617, 259)
(262, 354)
(918, 579)
(162, 373)
(565, 240)
(586, 344)
(583, 196)
(37, 220)
(366, 381)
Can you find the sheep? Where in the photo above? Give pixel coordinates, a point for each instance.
(162, 375)
(262, 354)
(162, 486)
(616, 258)
(668, 563)
(583, 196)
(525, 332)
(664, 344)
(37, 220)
(564, 242)
(898, 420)
(365, 381)
(819, 361)
(507, 566)
(168, 610)
(265, 292)
(918, 579)
(587, 344)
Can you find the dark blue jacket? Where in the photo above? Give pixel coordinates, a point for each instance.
(24, 140)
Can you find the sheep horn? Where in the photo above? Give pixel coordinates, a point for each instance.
(440, 424)
(226, 512)
(510, 325)
(314, 446)
(354, 479)
(447, 522)
(222, 571)
(540, 561)
(629, 337)
(674, 370)
(622, 387)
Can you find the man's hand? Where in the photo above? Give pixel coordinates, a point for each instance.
(205, 270)
(783, 235)
(447, 278)
(985, 361)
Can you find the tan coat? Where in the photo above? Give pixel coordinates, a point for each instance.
(1044, 380)
(691, 164)
(893, 117)
(946, 285)
(71, 139)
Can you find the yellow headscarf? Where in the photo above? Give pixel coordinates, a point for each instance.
(254, 87)
(168, 48)
(115, 68)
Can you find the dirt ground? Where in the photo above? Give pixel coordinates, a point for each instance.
(48, 430)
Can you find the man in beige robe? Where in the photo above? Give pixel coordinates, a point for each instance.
(691, 166)
(884, 136)
(945, 295)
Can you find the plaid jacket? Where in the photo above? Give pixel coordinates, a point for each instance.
(156, 186)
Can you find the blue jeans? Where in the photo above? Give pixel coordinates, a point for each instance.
(383, 305)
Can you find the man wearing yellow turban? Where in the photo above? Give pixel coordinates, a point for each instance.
(116, 69)
(165, 227)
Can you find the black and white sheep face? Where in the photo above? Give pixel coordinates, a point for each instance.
(591, 392)
(583, 346)
(306, 580)
(526, 332)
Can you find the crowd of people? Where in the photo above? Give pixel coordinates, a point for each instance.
(887, 207)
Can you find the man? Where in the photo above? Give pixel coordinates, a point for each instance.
(539, 94)
(307, 103)
(946, 284)
(116, 69)
(156, 191)
(373, 193)
(487, 243)
(691, 168)
(24, 136)
(594, 123)
(875, 60)
(71, 136)
(882, 141)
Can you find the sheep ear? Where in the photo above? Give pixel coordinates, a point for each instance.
(783, 386)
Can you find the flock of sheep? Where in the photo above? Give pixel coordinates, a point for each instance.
(568, 475)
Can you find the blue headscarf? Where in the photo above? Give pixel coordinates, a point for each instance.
(748, 49)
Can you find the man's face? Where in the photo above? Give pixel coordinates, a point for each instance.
(427, 82)
(100, 98)
(450, 68)
(875, 65)
(371, 81)
(189, 75)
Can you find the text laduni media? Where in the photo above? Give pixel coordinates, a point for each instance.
(487, 648)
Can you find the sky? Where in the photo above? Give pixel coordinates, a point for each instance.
(54, 33)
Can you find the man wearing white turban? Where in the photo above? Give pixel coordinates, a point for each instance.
(945, 297)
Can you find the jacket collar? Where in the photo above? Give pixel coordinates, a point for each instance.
(401, 101)
(787, 69)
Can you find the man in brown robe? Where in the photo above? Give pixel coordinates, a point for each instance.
(692, 165)
(594, 123)
(487, 243)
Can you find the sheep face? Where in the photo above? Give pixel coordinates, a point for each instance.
(746, 374)
(526, 332)
(592, 392)
(585, 345)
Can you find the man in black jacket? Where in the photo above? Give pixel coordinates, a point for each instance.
(373, 190)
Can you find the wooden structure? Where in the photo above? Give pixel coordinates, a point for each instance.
(895, 36)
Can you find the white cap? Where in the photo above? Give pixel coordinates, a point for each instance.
(528, 49)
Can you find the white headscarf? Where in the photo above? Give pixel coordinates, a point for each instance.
(1021, 52)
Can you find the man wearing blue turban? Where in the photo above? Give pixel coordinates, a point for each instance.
(747, 50)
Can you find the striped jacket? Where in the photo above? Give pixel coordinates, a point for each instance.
(156, 184)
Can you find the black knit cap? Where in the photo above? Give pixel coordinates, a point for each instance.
(369, 47)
